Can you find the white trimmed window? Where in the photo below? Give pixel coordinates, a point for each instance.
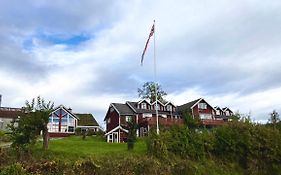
(202, 106)
(205, 116)
(218, 112)
(108, 120)
(143, 106)
(157, 106)
(147, 115)
(169, 107)
(128, 118)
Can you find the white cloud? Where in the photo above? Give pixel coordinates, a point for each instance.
(226, 52)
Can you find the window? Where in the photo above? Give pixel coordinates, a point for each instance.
(157, 106)
(205, 116)
(218, 112)
(169, 108)
(147, 115)
(108, 120)
(143, 106)
(202, 106)
(128, 118)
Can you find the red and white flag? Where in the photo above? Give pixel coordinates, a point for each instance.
(146, 44)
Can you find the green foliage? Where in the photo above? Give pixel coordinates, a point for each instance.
(35, 118)
(85, 167)
(181, 141)
(15, 169)
(190, 122)
(132, 136)
(274, 117)
(78, 131)
(4, 137)
(233, 141)
(148, 92)
(156, 145)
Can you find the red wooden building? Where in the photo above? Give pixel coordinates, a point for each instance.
(144, 114)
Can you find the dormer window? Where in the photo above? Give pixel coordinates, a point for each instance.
(218, 112)
(157, 106)
(143, 106)
(202, 106)
(169, 107)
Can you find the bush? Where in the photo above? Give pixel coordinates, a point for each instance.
(85, 167)
(78, 131)
(181, 141)
(4, 137)
(15, 169)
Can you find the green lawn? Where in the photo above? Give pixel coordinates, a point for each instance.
(74, 147)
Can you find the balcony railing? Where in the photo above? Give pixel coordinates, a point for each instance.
(163, 121)
(212, 122)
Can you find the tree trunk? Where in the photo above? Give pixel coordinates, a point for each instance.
(45, 138)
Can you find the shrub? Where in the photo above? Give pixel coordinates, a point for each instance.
(78, 131)
(85, 167)
(15, 169)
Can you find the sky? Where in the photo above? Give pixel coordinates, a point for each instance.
(86, 54)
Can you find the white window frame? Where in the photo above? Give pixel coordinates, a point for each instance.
(147, 115)
(143, 106)
(128, 118)
(202, 105)
(169, 108)
(205, 116)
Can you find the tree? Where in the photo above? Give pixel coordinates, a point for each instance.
(191, 123)
(274, 117)
(148, 92)
(132, 127)
(32, 122)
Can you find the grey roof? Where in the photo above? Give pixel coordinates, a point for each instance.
(123, 109)
(227, 108)
(87, 120)
(187, 106)
(218, 108)
(150, 111)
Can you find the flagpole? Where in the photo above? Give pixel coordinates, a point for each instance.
(155, 84)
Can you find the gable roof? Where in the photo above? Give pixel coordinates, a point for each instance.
(123, 109)
(116, 128)
(143, 101)
(170, 104)
(66, 110)
(133, 106)
(225, 109)
(187, 106)
(190, 105)
(87, 120)
(218, 108)
(158, 102)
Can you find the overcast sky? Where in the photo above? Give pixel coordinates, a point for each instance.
(86, 54)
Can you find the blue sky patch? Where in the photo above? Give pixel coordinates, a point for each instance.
(69, 40)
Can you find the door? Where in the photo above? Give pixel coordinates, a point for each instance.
(115, 137)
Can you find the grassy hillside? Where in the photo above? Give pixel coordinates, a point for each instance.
(73, 147)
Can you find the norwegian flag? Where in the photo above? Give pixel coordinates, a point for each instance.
(146, 44)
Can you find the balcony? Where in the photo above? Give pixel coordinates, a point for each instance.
(162, 121)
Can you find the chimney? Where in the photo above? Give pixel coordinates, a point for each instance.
(69, 109)
(0, 99)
